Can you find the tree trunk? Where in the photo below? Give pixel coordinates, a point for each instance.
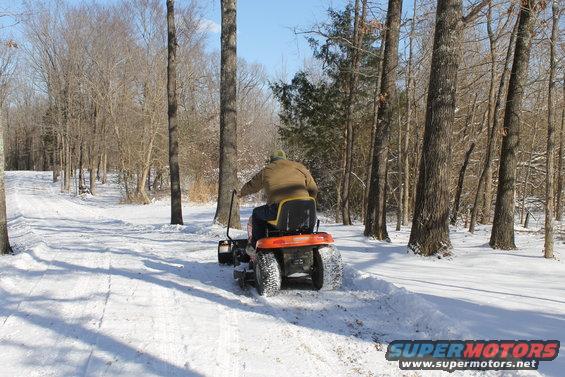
(92, 180)
(56, 162)
(375, 224)
(526, 179)
(409, 99)
(430, 225)
(487, 195)
(469, 124)
(140, 190)
(143, 171)
(489, 154)
(4, 241)
(104, 167)
(559, 205)
(62, 160)
(157, 179)
(527, 221)
(228, 117)
(400, 200)
(347, 162)
(68, 170)
(93, 170)
(80, 169)
(373, 127)
(176, 196)
(550, 155)
(458, 192)
(502, 236)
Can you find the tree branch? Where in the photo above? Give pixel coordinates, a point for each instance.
(474, 12)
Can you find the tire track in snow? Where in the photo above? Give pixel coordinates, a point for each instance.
(95, 344)
(38, 244)
(227, 362)
(320, 361)
(84, 285)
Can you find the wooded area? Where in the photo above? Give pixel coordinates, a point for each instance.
(413, 111)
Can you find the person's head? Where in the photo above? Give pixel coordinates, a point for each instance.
(277, 155)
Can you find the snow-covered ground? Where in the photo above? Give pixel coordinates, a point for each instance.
(102, 288)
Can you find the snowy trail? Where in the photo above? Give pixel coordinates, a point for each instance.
(103, 289)
(96, 295)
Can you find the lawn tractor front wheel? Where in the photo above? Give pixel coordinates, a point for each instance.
(328, 268)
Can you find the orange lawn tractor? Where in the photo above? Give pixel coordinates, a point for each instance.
(293, 248)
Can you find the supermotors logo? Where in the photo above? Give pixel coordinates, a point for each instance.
(451, 355)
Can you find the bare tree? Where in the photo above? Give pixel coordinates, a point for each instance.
(502, 236)
(528, 169)
(6, 71)
(359, 28)
(5, 247)
(469, 122)
(559, 198)
(457, 200)
(375, 103)
(176, 198)
(493, 131)
(228, 116)
(550, 152)
(409, 110)
(430, 227)
(375, 223)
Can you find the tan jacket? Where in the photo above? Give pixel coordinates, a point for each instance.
(282, 179)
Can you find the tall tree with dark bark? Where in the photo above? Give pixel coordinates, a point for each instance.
(375, 103)
(375, 223)
(550, 152)
(227, 180)
(430, 224)
(176, 202)
(502, 236)
(493, 131)
(410, 89)
(559, 197)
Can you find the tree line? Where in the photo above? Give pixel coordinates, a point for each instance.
(441, 114)
(89, 95)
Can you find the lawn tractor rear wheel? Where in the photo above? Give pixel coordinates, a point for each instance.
(267, 274)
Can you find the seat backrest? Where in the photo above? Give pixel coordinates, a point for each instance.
(297, 215)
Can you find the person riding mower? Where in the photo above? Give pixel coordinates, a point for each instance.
(281, 179)
(284, 240)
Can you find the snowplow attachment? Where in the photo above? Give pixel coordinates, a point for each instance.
(229, 251)
(225, 254)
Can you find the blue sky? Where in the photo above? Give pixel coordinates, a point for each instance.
(265, 30)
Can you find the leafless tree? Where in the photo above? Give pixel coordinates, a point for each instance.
(6, 70)
(550, 151)
(502, 236)
(228, 117)
(176, 201)
(375, 223)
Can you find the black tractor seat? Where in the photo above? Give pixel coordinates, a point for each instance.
(294, 216)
